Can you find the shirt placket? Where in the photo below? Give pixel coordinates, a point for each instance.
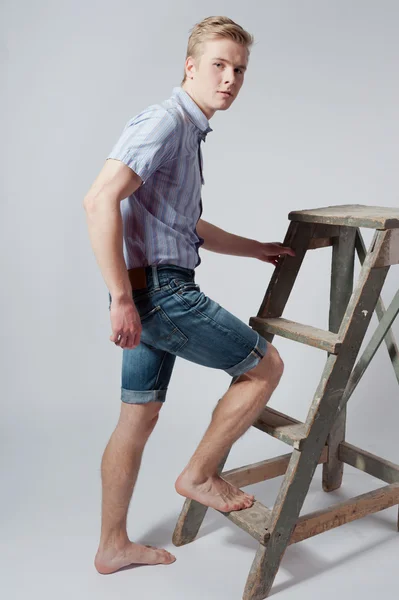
(201, 172)
(200, 162)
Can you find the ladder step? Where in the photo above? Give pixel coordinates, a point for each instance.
(306, 334)
(281, 426)
(253, 520)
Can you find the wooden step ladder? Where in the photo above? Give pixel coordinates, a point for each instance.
(321, 438)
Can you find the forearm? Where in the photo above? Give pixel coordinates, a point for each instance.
(223, 242)
(105, 227)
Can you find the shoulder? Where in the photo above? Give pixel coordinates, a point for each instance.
(157, 118)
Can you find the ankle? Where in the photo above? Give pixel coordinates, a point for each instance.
(113, 540)
(196, 476)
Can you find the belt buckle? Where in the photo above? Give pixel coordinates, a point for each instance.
(138, 278)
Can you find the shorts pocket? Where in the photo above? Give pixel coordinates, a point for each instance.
(183, 285)
(186, 292)
(158, 330)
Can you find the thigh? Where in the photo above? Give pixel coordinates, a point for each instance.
(214, 337)
(146, 373)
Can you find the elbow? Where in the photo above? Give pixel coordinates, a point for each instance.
(88, 203)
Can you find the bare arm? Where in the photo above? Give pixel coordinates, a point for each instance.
(115, 182)
(223, 242)
(219, 240)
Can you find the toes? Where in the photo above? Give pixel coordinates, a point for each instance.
(162, 556)
(167, 557)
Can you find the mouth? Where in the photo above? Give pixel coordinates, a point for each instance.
(225, 93)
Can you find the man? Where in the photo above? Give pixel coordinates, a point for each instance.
(147, 253)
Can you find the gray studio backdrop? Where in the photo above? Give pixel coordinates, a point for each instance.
(315, 124)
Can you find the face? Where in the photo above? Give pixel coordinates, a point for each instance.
(220, 69)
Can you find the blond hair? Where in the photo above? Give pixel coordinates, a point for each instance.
(213, 28)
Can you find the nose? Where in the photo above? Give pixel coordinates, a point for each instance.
(230, 76)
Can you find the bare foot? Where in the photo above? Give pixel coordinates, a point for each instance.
(110, 560)
(214, 492)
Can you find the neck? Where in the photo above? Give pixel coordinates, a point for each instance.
(188, 88)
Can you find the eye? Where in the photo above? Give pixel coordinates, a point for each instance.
(217, 64)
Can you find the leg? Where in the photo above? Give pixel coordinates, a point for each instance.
(341, 289)
(233, 415)
(119, 468)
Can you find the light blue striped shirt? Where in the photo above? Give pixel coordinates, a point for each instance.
(162, 144)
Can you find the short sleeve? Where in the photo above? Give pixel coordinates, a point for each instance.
(147, 142)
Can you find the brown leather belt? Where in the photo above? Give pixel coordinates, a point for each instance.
(138, 278)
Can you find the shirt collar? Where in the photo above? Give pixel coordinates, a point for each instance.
(193, 111)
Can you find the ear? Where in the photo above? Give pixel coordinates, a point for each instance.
(190, 67)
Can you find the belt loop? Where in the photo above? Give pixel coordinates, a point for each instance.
(155, 279)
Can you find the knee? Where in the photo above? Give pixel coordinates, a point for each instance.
(149, 420)
(153, 421)
(277, 364)
(270, 368)
(139, 419)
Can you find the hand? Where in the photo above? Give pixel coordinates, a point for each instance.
(125, 323)
(271, 252)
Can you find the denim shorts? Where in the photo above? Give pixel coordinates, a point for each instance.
(178, 319)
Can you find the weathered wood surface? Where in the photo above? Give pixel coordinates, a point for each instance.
(353, 328)
(320, 419)
(322, 230)
(263, 470)
(284, 275)
(369, 463)
(372, 347)
(390, 251)
(253, 520)
(189, 522)
(306, 334)
(281, 426)
(316, 243)
(351, 215)
(342, 273)
(358, 507)
(389, 339)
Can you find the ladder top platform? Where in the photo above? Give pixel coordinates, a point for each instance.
(351, 215)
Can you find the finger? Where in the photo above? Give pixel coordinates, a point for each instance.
(119, 339)
(130, 342)
(284, 251)
(127, 342)
(122, 341)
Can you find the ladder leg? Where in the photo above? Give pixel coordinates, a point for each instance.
(389, 339)
(189, 522)
(283, 279)
(321, 417)
(378, 337)
(261, 575)
(342, 269)
(293, 490)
